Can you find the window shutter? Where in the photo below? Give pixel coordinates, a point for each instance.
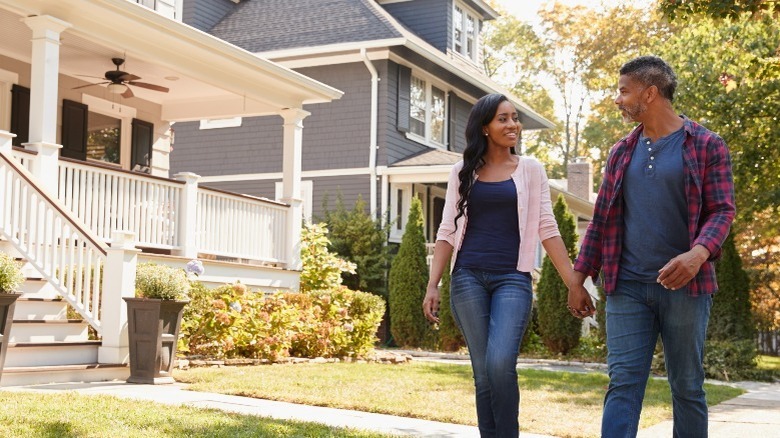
(74, 130)
(452, 127)
(20, 114)
(404, 91)
(143, 138)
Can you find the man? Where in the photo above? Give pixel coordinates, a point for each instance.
(664, 209)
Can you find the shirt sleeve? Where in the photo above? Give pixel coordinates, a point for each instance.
(718, 206)
(447, 227)
(548, 226)
(589, 259)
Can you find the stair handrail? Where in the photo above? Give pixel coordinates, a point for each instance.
(52, 239)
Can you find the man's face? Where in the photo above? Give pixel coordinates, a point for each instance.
(630, 99)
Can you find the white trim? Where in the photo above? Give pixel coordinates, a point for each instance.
(7, 80)
(306, 195)
(467, 12)
(278, 175)
(399, 219)
(230, 122)
(462, 94)
(430, 83)
(331, 48)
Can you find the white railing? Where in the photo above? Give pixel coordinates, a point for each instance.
(25, 157)
(67, 254)
(111, 199)
(242, 227)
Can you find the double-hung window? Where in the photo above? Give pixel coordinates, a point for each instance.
(465, 27)
(428, 113)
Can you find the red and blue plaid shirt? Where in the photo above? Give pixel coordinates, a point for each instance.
(709, 189)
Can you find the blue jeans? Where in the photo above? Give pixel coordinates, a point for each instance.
(636, 314)
(492, 311)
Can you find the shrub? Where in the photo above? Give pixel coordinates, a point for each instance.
(733, 360)
(10, 273)
(161, 281)
(407, 283)
(730, 317)
(321, 268)
(560, 331)
(450, 337)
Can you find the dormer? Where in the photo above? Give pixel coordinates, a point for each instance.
(452, 26)
(168, 8)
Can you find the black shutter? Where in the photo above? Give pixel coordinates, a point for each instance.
(452, 127)
(404, 101)
(20, 114)
(74, 130)
(141, 157)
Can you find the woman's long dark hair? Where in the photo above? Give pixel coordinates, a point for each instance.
(481, 115)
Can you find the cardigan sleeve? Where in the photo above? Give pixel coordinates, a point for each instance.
(447, 227)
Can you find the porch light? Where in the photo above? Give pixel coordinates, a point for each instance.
(116, 88)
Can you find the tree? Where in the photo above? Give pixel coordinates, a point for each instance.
(730, 317)
(360, 239)
(450, 337)
(407, 283)
(560, 331)
(321, 268)
(718, 9)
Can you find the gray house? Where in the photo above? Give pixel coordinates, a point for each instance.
(410, 71)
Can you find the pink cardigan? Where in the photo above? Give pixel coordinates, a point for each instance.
(534, 211)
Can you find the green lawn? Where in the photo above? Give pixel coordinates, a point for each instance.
(30, 415)
(553, 403)
(768, 363)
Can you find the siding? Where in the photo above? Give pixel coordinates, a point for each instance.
(205, 14)
(461, 118)
(429, 19)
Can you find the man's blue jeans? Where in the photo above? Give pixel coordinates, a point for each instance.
(636, 314)
(492, 312)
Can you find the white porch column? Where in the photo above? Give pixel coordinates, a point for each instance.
(44, 81)
(291, 181)
(188, 215)
(6, 140)
(118, 282)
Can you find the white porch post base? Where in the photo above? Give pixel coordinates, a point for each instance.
(118, 282)
(45, 165)
(188, 215)
(6, 141)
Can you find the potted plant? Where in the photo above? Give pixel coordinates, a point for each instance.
(154, 319)
(10, 278)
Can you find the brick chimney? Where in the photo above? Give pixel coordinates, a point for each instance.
(580, 178)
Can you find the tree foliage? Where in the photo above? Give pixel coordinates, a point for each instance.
(717, 9)
(450, 337)
(321, 268)
(360, 239)
(560, 331)
(407, 283)
(730, 317)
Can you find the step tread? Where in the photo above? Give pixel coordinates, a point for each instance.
(48, 321)
(51, 368)
(46, 300)
(54, 344)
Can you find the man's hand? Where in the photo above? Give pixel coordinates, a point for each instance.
(580, 304)
(431, 304)
(680, 270)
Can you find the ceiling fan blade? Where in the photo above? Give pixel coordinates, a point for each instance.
(149, 86)
(93, 77)
(128, 77)
(88, 85)
(128, 93)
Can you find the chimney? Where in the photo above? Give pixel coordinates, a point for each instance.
(580, 178)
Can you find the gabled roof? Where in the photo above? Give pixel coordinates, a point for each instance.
(275, 29)
(430, 157)
(268, 25)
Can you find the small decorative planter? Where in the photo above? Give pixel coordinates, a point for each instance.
(7, 305)
(153, 334)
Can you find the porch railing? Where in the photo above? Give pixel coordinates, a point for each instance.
(65, 252)
(24, 157)
(241, 226)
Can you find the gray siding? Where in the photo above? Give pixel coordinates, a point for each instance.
(205, 14)
(462, 109)
(429, 19)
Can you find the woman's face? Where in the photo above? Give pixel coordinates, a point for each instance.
(504, 129)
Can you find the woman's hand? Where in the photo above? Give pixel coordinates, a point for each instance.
(431, 303)
(580, 304)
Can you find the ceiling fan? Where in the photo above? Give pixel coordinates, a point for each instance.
(119, 82)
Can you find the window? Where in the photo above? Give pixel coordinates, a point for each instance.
(465, 28)
(104, 135)
(428, 111)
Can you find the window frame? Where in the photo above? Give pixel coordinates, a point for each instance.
(460, 45)
(427, 137)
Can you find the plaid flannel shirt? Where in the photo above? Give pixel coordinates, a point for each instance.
(710, 192)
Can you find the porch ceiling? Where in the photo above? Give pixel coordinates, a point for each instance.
(207, 77)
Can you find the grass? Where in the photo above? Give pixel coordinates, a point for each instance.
(553, 403)
(768, 363)
(25, 414)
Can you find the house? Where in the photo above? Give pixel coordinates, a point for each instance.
(89, 90)
(410, 71)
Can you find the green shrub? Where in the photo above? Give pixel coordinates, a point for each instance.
(733, 360)
(559, 330)
(407, 283)
(10, 273)
(730, 316)
(161, 282)
(321, 269)
(450, 337)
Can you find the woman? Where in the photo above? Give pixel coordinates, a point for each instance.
(497, 208)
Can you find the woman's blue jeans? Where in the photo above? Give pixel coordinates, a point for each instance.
(636, 314)
(492, 312)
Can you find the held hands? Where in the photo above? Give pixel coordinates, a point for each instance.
(580, 304)
(681, 269)
(430, 303)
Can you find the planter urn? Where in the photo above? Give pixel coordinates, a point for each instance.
(7, 305)
(153, 332)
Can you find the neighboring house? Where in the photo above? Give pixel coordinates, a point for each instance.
(84, 149)
(410, 71)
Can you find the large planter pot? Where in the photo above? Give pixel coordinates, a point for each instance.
(153, 331)
(7, 305)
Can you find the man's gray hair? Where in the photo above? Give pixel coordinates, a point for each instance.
(652, 70)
